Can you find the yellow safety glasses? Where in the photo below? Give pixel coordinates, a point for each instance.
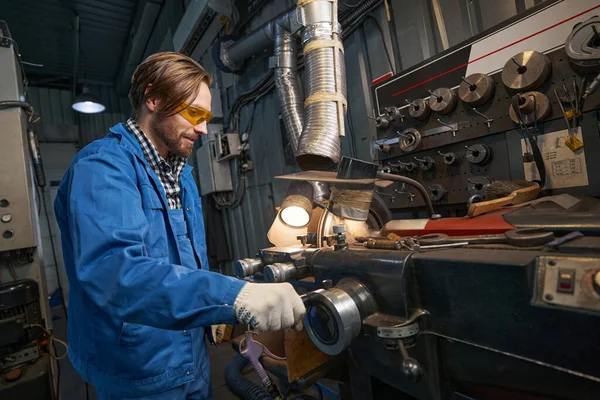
(194, 115)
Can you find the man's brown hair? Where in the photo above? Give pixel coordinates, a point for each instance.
(174, 78)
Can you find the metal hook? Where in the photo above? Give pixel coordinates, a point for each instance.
(392, 197)
(449, 126)
(438, 98)
(403, 135)
(471, 149)
(410, 195)
(472, 86)
(517, 64)
(443, 154)
(420, 159)
(488, 120)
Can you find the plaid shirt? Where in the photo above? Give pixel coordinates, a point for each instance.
(167, 171)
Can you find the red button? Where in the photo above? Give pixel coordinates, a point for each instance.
(565, 286)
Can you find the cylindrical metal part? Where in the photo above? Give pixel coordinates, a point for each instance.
(334, 316)
(410, 166)
(443, 100)
(393, 113)
(410, 139)
(325, 88)
(476, 89)
(526, 71)
(382, 244)
(448, 158)
(248, 267)
(419, 109)
(382, 122)
(280, 272)
(536, 103)
(426, 163)
(437, 192)
(478, 154)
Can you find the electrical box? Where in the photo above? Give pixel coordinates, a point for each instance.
(16, 183)
(228, 146)
(214, 174)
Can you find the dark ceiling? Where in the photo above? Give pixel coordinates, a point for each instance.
(44, 33)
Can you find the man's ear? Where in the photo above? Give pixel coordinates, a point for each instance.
(151, 102)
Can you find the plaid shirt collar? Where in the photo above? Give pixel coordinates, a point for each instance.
(168, 171)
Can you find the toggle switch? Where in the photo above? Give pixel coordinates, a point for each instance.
(566, 281)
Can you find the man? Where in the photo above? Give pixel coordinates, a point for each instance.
(141, 295)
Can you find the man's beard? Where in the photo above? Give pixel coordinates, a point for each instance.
(175, 143)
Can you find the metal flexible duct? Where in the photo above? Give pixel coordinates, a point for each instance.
(313, 129)
(286, 85)
(325, 77)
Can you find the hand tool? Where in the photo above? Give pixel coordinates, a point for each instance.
(524, 237)
(516, 197)
(253, 350)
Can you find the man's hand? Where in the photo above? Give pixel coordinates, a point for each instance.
(269, 306)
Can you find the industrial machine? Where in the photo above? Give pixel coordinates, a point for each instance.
(416, 300)
(26, 344)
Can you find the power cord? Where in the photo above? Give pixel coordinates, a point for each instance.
(51, 341)
(52, 351)
(60, 288)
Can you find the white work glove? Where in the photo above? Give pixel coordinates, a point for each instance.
(269, 306)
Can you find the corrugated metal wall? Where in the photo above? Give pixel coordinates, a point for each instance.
(59, 123)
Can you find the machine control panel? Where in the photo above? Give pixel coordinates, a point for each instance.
(568, 282)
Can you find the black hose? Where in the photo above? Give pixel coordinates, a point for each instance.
(15, 103)
(241, 386)
(358, 12)
(413, 183)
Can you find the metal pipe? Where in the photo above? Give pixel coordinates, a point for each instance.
(262, 38)
(420, 188)
(325, 87)
(287, 86)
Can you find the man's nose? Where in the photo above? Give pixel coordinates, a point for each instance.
(201, 129)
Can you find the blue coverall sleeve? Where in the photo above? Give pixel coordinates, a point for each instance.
(107, 225)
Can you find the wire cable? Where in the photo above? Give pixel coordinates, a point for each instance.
(60, 288)
(18, 55)
(51, 341)
(385, 47)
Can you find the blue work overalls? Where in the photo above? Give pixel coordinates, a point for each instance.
(138, 300)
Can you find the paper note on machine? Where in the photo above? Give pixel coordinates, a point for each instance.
(564, 168)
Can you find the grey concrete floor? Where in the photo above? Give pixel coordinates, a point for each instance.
(72, 386)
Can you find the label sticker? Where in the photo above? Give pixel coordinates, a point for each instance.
(564, 168)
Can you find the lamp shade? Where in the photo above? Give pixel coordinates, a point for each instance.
(87, 103)
(297, 207)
